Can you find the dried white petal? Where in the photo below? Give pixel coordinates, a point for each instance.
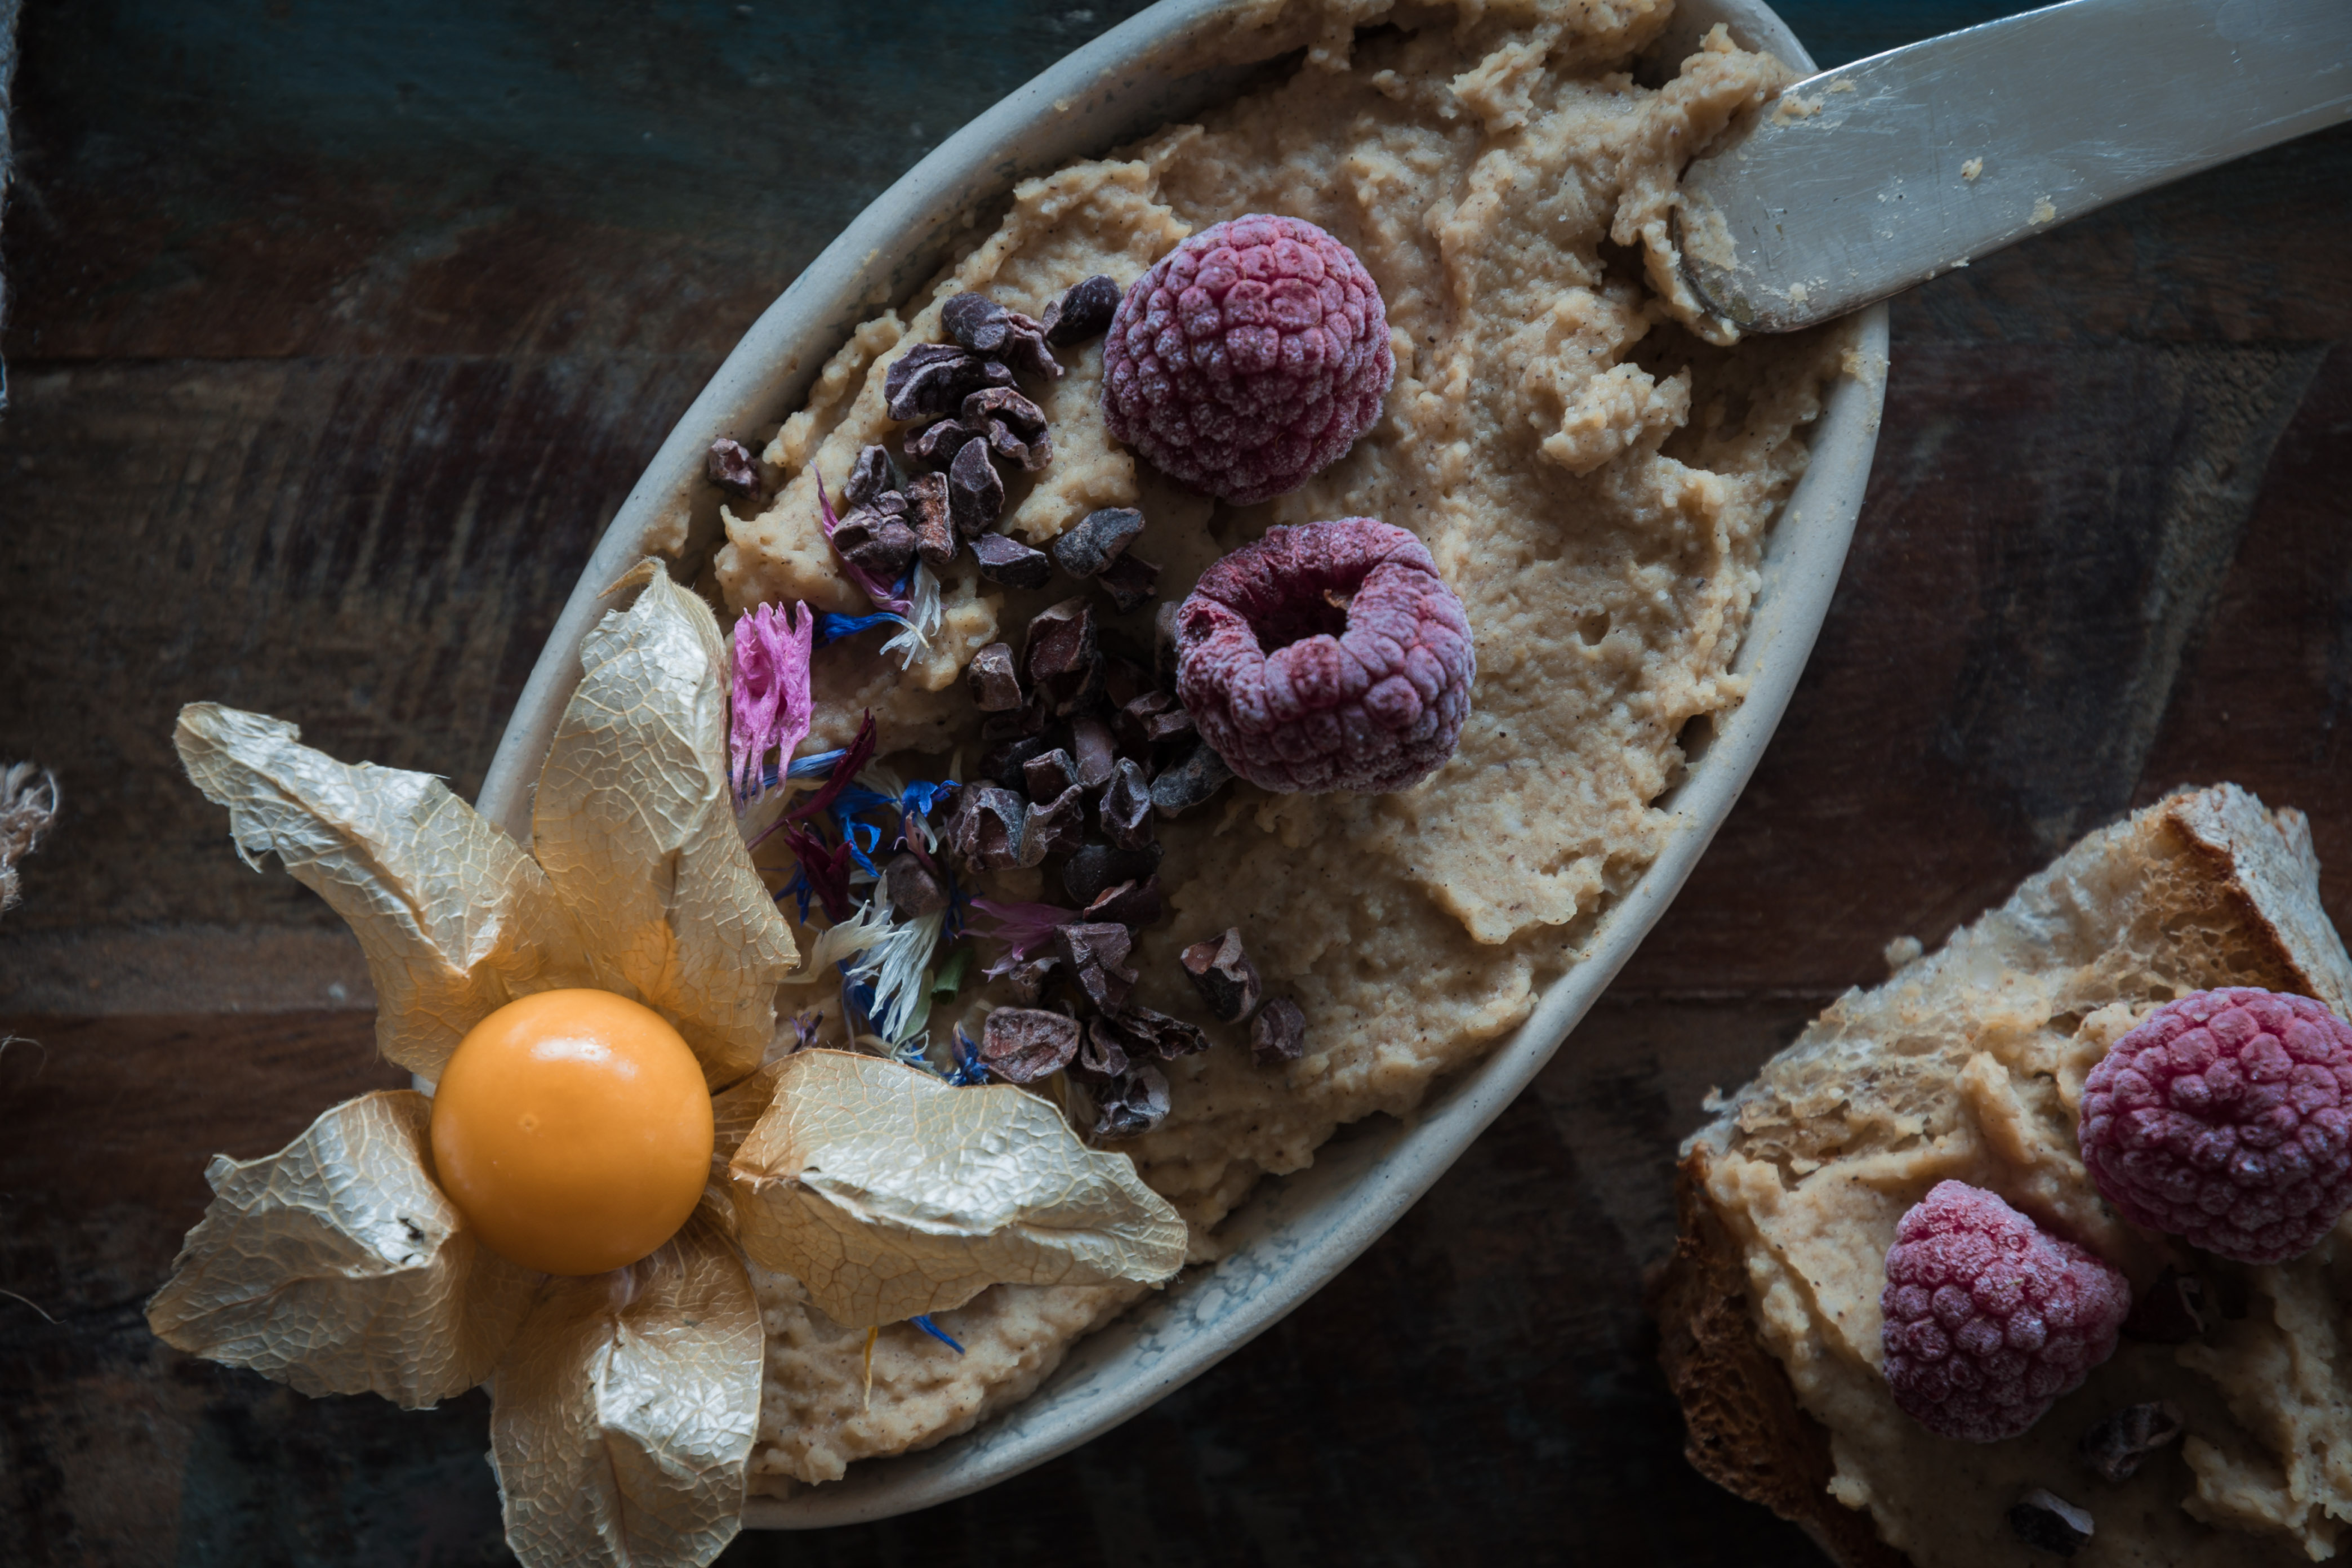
(889, 1193)
(635, 824)
(336, 1266)
(455, 920)
(621, 1422)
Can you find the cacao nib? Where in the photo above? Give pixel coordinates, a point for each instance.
(880, 543)
(911, 888)
(1004, 559)
(729, 465)
(1098, 539)
(1016, 427)
(1081, 311)
(984, 831)
(1029, 719)
(1007, 761)
(1105, 1051)
(1047, 774)
(2050, 1523)
(1143, 1033)
(1278, 1033)
(1028, 979)
(1134, 1102)
(926, 513)
(932, 379)
(1181, 788)
(983, 326)
(1163, 643)
(1135, 721)
(1096, 953)
(1061, 659)
(871, 475)
(1096, 867)
(1022, 1045)
(1123, 680)
(1131, 904)
(942, 440)
(1057, 827)
(1224, 976)
(2118, 1446)
(995, 688)
(1127, 807)
(2173, 1312)
(976, 490)
(1090, 741)
(1129, 580)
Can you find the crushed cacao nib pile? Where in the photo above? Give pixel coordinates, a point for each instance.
(1086, 745)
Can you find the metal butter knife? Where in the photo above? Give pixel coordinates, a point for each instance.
(1865, 180)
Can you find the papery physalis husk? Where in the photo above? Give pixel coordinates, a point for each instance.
(337, 1265)
(635, 825)
(621, 1421)
(890, 1194)
(455, 920)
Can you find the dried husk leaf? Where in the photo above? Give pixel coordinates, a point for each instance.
(337, 1265)
(621, 1421)
(890, 1194)
(635, 826)
(455, 919)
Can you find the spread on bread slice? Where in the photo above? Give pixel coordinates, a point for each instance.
(1968, 1066)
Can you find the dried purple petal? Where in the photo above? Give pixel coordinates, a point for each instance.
(876, 542)
(1057, 827)
(976, 490)
(912, 888)
(1081, 311)
(985, 830)
(1131, 904)
(1127, 807)
(1047, 774)
(1278, 1033)
(2118, 1446)
(1226, 979)
(869, 477)
(1090, 743)
(1096, 867)
(1181, 788)
(770, 708)
(1022, 1045)
(1133, 1103)
(1129, 580)
(927, 513)
(2173, 1312)
(1016, 427)
(1004, 559)
(1096, 953)
(932, 379)
(1062, 659)
(1022, 928)
(2050, 1523)
(729, 465)
(995, 688)
(1096, 539)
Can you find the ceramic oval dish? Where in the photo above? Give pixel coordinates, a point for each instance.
(1295, 1232)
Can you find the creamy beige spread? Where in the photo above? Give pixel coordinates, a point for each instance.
(1969, 1065)
(1593, 480)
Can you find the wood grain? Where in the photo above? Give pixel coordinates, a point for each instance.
(339, 331)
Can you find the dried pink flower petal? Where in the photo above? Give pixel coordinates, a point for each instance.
(771, 706)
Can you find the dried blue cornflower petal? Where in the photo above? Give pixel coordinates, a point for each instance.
(832, 627)
(936, 1332)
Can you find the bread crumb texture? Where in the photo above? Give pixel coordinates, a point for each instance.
(1969, 1065)
(1591, 465)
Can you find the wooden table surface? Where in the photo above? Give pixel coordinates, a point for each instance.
(340, 329)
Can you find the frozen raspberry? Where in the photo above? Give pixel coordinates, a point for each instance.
(1989, 1320)
(1328, 655)
(1249, 358)
(2225, 1119)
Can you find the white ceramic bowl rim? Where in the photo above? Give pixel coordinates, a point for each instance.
(1298, 1231)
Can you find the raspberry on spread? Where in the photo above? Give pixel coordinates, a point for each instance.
(1988, 1318)
(2225, 1119)
(1326, 655)
(1248, 359)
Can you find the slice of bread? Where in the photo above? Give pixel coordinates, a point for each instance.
(1969, 1064)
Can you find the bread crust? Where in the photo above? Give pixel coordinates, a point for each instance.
(1746, 1432)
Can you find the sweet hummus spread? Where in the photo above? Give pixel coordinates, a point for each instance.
(1593, 476)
